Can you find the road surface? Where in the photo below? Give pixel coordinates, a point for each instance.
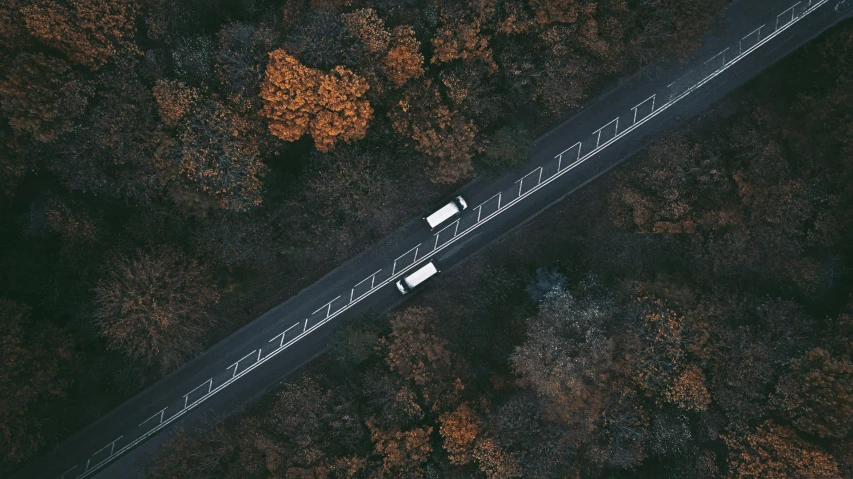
(232, 373)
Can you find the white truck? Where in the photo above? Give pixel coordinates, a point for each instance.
(417, 277)
(446, 212)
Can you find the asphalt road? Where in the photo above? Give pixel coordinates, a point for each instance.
(293, 333)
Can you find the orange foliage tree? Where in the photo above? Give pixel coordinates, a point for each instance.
(494, 462)
(90, 32)
(294, 440)
(460, 38)
(420, 356)
(399, 51)
(817, 394)
(153, 306)
(688, 390)
(775, 452)
(404, 60)
(220, 154)
(459, 429)
(13, 34)
(298, 100)
(366, 25)
(344, 113)
(444, 135)
(659, 358)
(174, 100)
(465, 441)
(661, 354)
(41, 95)
(403, 452)
(413, 350)
(556, 11)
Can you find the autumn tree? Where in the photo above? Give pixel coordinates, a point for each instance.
(38, 359)
(403, 453)
(398, 52)
(344, 113)
(290, 92)
(175, 100)
(89, 32)
(42, 96)
(460, 429)
(309, 419)
(668, 188)
(298, 100)
(459, 38)
(445, 136)
(495, 462)
(816, 395)
(688, 390)
(413, 349)
(556, 11)
(741, 357)
(13, 34)
(220, 154)
(661, 331)
(153, 306)
(567, 356)
(557, 84)
(658, 348)
(775, 452)
(404, 60)
(466, 441)
(366, 25)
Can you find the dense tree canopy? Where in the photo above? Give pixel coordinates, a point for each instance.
(301, 100)
(154, 306)
(41, 95)
(774, 451)
(130, 125)
(817, 394)
(568, 355)
(89, 32)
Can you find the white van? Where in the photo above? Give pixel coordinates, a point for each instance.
(420, 275)
(446, 212)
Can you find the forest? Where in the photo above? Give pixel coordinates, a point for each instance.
(170, 170)
(687, 316)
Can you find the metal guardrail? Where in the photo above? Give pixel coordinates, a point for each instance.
(528, 184)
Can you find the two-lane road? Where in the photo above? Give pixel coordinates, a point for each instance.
(612, 128)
